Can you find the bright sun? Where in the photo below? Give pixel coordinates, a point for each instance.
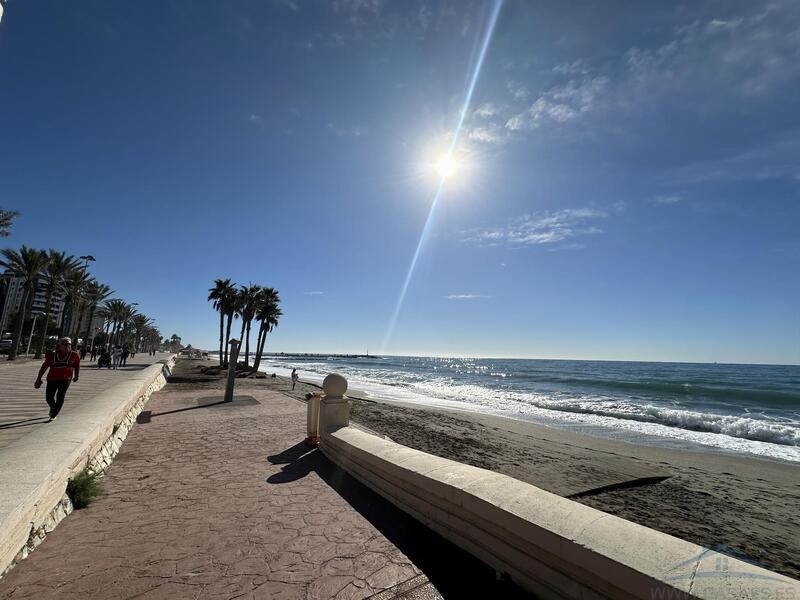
(445, 166)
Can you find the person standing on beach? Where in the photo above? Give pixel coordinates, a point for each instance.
(64, 365)
(295, 378)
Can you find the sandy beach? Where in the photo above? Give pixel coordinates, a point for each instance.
(746, 507)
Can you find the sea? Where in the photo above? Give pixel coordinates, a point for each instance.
(732, 408)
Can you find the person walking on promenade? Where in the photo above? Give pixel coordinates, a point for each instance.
(64, 365)
(295, 378)
(124, 357)
(83, 352)
(116, 354)
(93, 355)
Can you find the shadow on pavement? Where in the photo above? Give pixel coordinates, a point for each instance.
(451, 570)
(145, 416)
(24, 423)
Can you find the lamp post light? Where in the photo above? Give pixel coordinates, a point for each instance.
(234, 355)
(87, 258)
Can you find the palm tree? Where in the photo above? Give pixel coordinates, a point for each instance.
(105, 312)
(6, 218)
(248, 302)
(123, 315)
(140, 323)
(95, 294)
(75, 284)
(267, 314)
(115, 311)
(27, 264)
(175, 342)
(59, 265)
(219, 295)
(230, 306)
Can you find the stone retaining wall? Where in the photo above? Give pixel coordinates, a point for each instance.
(549, 545)
(34, 470)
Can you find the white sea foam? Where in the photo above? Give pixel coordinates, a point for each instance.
(750, 432)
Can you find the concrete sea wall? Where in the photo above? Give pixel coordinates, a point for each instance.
(547, 544)
(35, 469)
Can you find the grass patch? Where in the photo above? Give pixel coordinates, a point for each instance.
(83, 489)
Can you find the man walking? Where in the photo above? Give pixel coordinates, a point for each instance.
(64, 365)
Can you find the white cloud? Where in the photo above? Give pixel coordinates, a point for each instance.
(487, 135)
(465, 296)
(538, 228)
(560, 104)
(313, 293)
(576, 67)
(487, 110)
(517, 90)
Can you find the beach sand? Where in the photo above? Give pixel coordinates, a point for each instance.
(745, 507)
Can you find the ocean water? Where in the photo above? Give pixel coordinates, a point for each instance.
(751, 409)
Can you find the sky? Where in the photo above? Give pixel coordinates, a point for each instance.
(625, 181)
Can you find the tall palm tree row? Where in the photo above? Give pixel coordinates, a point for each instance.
(248, 303)
(26, 264)
(59, 266)
(60, 275)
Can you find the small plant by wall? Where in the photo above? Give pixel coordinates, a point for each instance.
(83, 489)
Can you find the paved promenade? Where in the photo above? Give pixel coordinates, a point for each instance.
(209, 500)
(23, 408)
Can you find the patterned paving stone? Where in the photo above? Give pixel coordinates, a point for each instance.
(213, 503)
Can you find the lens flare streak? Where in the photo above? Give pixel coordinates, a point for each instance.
(443, 175)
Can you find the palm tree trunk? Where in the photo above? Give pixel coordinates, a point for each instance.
(241, 334)
(89, 327)
(47, 309)
(23, 308)
(78, 328)
(262, 337)
(227, 337)
(247, 345)
(221, 334)
(108, 328)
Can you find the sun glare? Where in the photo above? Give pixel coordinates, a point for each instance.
(445, 166)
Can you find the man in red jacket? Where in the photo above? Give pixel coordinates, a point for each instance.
(64, 365)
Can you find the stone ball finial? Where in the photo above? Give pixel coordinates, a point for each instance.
(334, 385)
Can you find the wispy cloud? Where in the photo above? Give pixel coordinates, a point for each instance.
(665, 200)
(290, 4)
(487, 135)
(706, 65)
(539, 228)
(560, 104)
(255, 119)
(313, 293)
(465, 296)
(355, 131)
(358, 12)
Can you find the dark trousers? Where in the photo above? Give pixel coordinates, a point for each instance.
(54, 394)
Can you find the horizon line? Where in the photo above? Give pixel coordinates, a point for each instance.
(476, 357)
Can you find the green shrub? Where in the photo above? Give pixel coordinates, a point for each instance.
(83, 489)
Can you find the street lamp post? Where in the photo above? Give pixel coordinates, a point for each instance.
(30, 335)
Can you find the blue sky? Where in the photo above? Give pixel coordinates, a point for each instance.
(627, 182)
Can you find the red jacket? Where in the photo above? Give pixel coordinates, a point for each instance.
(62, 367)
